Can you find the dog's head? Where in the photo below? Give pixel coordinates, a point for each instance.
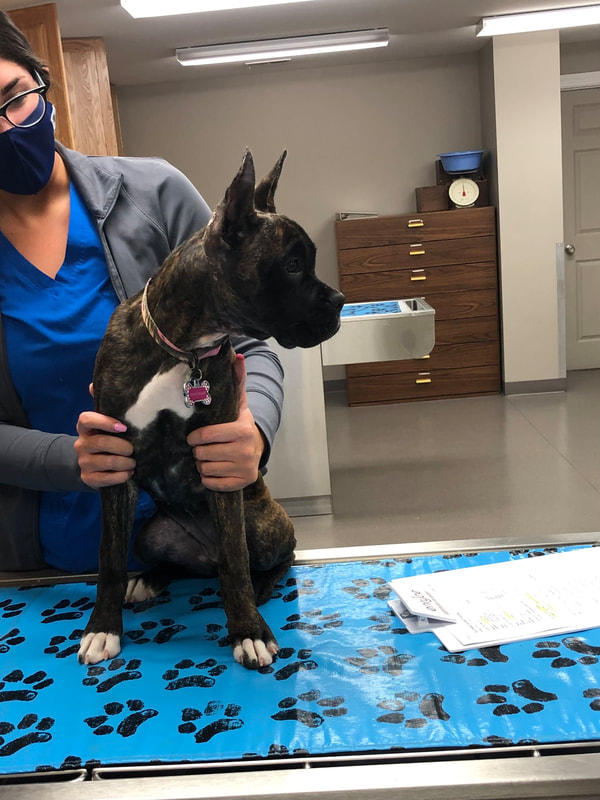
(268, 264)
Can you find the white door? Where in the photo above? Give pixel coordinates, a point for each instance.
(581, 187)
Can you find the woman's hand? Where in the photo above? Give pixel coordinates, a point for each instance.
(104, 460)
(227, 455)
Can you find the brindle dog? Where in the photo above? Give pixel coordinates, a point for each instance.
(249, 271)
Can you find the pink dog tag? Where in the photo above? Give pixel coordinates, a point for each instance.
(196, 391)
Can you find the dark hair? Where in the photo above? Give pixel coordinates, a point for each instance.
(15, 47)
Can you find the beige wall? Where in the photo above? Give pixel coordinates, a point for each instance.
(579, 57)
(358, 138)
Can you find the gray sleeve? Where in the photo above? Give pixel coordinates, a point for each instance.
(264, 387)
(36, 460)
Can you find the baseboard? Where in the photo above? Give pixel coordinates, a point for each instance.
(307, 506)
(536, 387)
(335, 386)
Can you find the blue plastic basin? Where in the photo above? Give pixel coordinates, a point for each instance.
(461, 161)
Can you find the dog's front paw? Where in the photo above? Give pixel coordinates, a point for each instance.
(96, 647)
(254, 653)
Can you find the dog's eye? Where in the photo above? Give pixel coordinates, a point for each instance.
(293, 266)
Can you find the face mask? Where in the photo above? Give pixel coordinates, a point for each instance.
(27, 156)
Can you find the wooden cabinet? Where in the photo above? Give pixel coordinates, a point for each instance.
(86, 112)
(449, 258)
(39, 24)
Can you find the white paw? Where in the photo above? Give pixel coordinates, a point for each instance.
(255, 652)
(137, 591)
(95, 647)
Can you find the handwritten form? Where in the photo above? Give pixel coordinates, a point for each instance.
(507, 602)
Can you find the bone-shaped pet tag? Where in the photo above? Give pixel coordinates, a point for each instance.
(196, 391)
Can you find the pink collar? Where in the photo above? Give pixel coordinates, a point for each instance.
(191, 356)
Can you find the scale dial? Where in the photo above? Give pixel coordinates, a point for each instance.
(463, 192)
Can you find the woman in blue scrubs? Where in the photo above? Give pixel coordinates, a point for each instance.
(78, 234)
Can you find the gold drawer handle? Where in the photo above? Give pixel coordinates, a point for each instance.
(423, 380)
(416, 250)
(422, 358)
(418, 277)
(415, 223)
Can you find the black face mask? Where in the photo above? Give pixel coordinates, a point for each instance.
(27, 156)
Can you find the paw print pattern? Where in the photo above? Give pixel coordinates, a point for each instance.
(165, 632)
(11, 639)
(533, 553)
(363, 589)
(495, 694)
(15, 686)
(293, 588)
(595, 695)
(302, 663)
(191, 677)
(384, 658)
(588, 654)
(488, 655)
(430, 706)
(9, 609)
(383, 622)
(314, 622)
(207, 598)
(145, 605)
(30, 730)
(67, 610)
(217, 633)
(118, 671)
(104, 724)
(328, 706)
(70, 650)
(228, 721)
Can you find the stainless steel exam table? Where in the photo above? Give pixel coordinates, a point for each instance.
(523, 771)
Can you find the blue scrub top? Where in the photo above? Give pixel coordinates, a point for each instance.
(53, 330)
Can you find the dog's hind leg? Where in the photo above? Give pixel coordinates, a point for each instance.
(253, 642)
(172, 546)
(102, 636)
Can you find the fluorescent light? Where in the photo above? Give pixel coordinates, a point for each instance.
(166, 8)
(539, 20)
(275, 49)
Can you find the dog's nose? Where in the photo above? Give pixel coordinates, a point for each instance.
(336, 299)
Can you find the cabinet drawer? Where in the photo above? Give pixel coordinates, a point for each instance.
(407, 228)
(417, 254)
(443, 356)
(474, 329)
(452, 305)
(411, 282)
(423, 385)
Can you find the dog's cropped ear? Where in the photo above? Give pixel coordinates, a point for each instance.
(235, 215)
(264, 196)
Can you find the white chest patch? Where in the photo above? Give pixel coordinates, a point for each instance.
(165, 391)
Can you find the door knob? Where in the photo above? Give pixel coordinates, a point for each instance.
(569, 249)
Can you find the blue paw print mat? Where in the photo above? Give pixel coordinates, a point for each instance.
(348, 679)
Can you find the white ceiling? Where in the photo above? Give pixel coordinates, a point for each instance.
(142, 51)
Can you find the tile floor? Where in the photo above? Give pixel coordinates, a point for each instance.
(510, 467)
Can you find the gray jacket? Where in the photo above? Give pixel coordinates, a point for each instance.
(144, 208)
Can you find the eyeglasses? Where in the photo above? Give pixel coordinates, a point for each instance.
(26, 109)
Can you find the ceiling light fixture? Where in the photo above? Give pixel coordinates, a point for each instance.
(167, 8)
(549, 19)
(273, 49)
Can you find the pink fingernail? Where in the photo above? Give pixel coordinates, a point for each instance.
(119, 427)
(239, 355)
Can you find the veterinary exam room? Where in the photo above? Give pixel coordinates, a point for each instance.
(300, 440)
